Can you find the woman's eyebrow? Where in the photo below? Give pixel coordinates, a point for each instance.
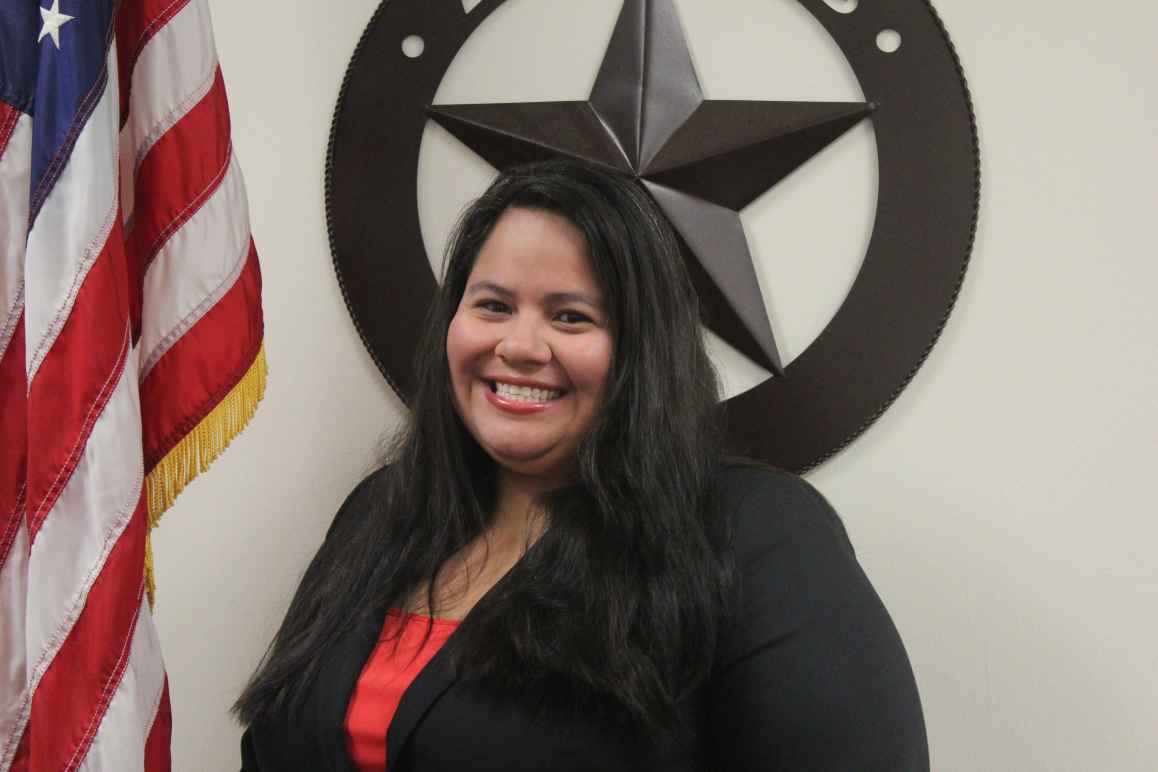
(555, 298)
(489, 286)
(560, 298)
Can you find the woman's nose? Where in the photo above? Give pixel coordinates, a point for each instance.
(523, 343)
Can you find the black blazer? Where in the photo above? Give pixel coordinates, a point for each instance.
(813, 676)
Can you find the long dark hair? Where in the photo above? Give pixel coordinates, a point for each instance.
(624, 595)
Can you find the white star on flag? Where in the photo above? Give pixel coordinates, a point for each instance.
(53, 20)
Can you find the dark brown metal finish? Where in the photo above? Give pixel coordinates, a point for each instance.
(702, 161)
(728, 281)
(372, 175)
(730, 153)
(507, 135)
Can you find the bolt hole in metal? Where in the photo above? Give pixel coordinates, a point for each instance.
(842, 6)
(413, 46)
(888, 40)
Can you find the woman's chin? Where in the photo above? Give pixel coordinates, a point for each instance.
(529, 461)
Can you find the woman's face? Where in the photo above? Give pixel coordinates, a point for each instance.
(530, 346)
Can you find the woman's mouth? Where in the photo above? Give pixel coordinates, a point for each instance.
(524, 394)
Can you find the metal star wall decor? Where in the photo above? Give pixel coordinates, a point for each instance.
(702, 161)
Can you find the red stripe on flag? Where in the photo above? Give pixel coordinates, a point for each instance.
(197, 147)
(20, 761)
(13, 419)
(13, 429)
(8, 118)
(180, 390)
(157, 758)
(76, 689)
(76, 378)
(137, 22)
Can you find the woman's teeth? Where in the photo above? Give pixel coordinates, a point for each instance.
(525, 393)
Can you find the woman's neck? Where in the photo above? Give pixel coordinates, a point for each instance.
(518, 517)
(467, 575)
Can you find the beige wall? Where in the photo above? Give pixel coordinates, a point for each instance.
(1000, 506)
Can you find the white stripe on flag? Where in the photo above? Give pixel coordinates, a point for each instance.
(195, 268)
(174, 72)
(120, 741)
(14, 672)
(83, 525)
(72, 226)
(81, 530)
(14, 173)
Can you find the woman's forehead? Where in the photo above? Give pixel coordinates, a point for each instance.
(530, 248)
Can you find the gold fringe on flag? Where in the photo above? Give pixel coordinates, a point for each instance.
(198, 449)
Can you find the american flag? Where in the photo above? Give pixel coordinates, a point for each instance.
(130, 354)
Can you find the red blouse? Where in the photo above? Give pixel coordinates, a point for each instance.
(396, 661)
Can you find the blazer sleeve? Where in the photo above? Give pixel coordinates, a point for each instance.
(812, 673)
(263, 746)
(248, 755)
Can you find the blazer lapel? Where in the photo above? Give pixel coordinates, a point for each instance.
(430, 684)
(336, 681)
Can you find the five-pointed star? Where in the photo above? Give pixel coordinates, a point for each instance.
(53, 20)
(701, 160)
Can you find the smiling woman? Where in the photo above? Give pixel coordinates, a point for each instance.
(530, 347)
(558, 569)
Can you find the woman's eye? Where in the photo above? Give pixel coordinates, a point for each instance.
(572, 317)
(494, 306)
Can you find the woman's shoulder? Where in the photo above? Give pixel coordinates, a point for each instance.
(810, 623)
(768, 505)
(357, 501)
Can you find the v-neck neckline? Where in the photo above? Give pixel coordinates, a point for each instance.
(435, 678)
(427, 687)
